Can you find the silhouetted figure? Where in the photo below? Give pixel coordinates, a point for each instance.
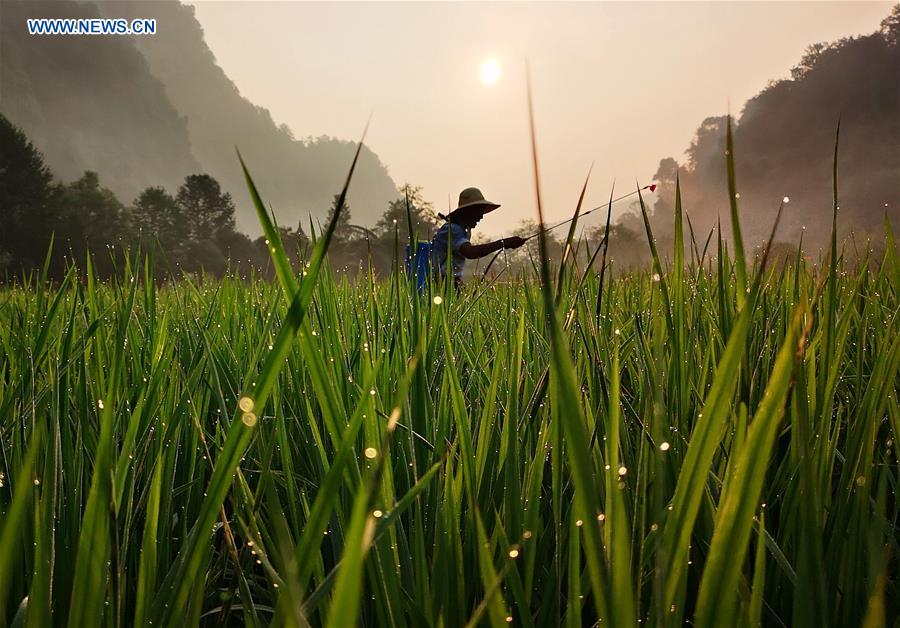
(455, 234)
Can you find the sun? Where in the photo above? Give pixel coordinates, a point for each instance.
(490, 72)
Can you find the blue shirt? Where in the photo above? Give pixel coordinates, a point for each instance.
(458, 236)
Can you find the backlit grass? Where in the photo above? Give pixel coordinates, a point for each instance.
(707, 441)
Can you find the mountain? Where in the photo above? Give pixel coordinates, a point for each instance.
(151, 110)
(784, 145)
(90, 103)
(296, 177)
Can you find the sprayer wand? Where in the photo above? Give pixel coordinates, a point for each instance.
(651, 187)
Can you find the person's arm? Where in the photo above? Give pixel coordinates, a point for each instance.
(474, 251)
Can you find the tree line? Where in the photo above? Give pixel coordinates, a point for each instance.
(189, 230)
(784, 143)
(192, 229)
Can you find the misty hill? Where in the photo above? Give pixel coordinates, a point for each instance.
(150, 110)
(90, 103)
(784, 144)
(296, 177)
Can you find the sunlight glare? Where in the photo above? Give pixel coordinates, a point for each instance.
(490, 72)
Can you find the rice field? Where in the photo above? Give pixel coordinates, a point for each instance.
(708, 441)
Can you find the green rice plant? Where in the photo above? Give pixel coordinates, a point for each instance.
(703, 440)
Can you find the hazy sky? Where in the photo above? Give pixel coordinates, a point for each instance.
(617, 84)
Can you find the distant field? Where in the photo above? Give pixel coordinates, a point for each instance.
(708, 442)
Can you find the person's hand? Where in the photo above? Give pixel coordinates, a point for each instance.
(513, 242)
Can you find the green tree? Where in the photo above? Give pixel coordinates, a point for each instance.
(209, 213)
(425, 221)
(294, 243)
(627, 243)
(91, 212)
(890, 26)
(808, 61)
(90, 219)
(343, 232)
(527, 254)
(158, 216)
(783, 138)
(26, 200)
(352, 245)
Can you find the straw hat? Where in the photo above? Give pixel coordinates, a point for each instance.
(470, 199)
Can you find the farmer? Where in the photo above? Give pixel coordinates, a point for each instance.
(458, 229)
